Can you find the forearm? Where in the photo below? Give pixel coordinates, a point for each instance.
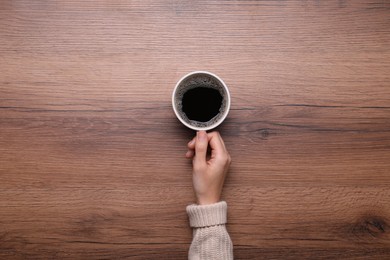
(210, 237)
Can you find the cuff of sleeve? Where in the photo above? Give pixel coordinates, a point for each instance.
(207, 215)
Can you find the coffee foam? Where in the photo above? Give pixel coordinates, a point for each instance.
(197, 80)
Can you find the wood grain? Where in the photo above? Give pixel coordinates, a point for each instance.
(92, 157)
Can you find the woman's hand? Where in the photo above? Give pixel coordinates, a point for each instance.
(208, 175)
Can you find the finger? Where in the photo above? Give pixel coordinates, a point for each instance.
(216, 143)
(201, 144)
(216, 133)
(191, 144)
(190, 154)
(218, 151)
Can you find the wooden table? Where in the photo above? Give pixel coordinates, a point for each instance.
(92, 157)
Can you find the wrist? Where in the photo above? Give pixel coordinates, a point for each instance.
(207, 200)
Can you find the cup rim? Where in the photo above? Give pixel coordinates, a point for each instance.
(227, 100)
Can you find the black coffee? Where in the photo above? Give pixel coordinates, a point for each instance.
(201, 103)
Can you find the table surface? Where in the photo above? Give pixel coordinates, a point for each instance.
(92, 157)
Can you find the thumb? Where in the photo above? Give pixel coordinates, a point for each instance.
(201, 148)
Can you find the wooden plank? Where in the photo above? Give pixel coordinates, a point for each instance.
(92, 157)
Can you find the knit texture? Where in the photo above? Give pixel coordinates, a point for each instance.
(210, 237)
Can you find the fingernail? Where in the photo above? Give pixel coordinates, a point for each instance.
(191, 142)
(202, 136)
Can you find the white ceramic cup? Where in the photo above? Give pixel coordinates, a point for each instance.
(200, 79)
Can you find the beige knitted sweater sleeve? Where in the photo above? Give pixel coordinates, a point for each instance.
(210, 237)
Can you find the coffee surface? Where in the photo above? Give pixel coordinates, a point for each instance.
(201, 103)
